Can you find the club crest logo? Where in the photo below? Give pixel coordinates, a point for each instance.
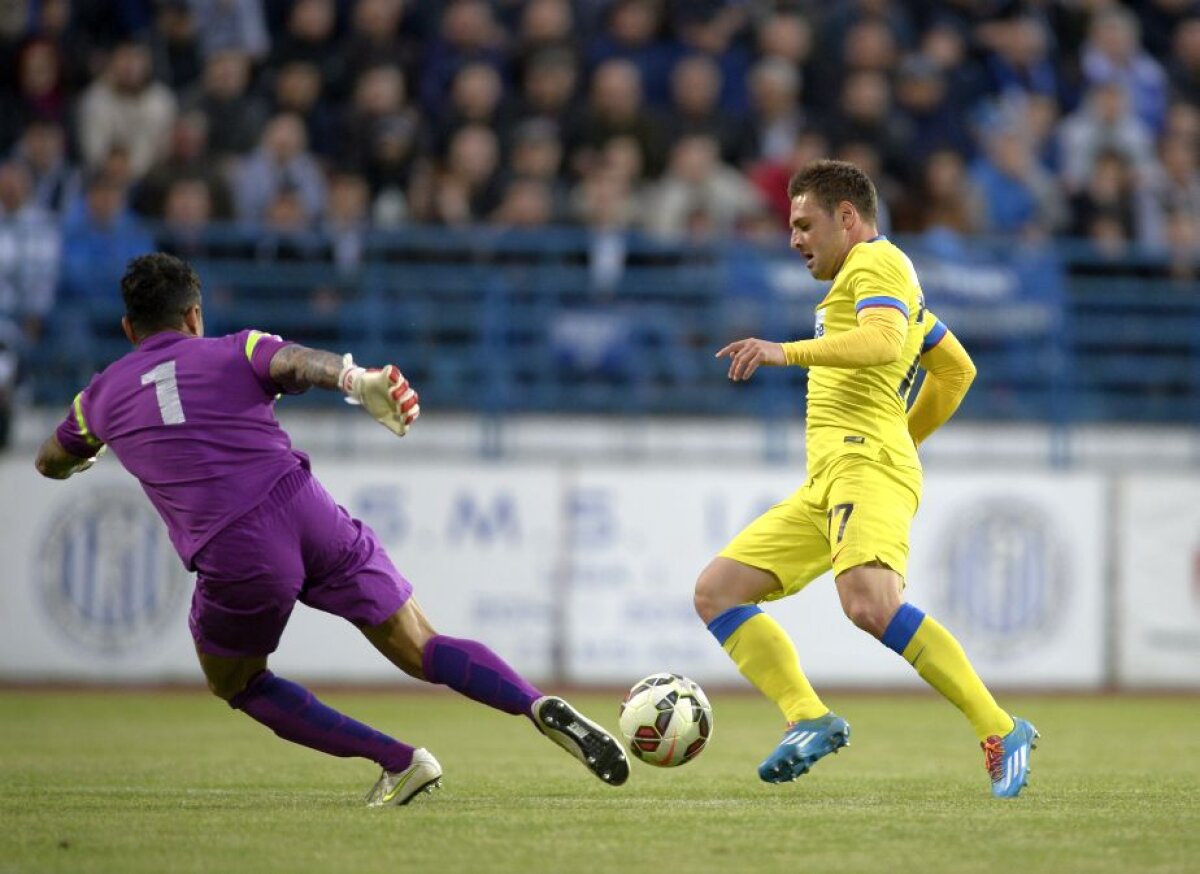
(1002, 584)
(107, 575)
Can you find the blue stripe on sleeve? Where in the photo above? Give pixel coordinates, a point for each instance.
(935, 335)
(725, 624)
(881, 301)
(902, 627)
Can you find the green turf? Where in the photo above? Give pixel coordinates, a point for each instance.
(176, 782)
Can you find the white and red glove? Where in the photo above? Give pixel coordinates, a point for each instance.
(384, 393)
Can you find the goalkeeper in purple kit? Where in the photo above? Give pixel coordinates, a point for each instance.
(192, 419)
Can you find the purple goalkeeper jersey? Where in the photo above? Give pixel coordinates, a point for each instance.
(193, 419)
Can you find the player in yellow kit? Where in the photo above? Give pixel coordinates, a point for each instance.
(853, 514)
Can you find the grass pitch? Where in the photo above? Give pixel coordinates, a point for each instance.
(177, 782)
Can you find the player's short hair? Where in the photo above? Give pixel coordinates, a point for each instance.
(158, 289)
(831, 182)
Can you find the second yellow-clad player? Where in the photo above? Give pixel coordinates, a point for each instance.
(872, 334)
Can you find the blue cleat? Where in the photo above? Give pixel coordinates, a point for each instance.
(1007, 758)
(803, 744)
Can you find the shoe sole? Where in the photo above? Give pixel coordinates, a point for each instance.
(424, 789)
(596, 748)
(794, 768)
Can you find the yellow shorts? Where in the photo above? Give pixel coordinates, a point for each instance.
(854, 512)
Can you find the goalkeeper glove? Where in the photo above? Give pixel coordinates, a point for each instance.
(384, 393)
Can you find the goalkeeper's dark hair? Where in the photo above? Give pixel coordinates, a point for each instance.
(831, 182)
(158, 289)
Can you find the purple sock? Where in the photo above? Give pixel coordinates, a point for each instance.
(295, 714)
(469, 667)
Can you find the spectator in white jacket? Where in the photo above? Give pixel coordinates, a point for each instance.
(124, 108)
(698, 190)
(1104, 123)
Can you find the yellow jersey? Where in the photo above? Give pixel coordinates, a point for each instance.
(862, 410)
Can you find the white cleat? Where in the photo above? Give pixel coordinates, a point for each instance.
(599, 751)
(400, 787)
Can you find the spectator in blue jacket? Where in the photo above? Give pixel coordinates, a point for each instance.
(281, 162)
(100, 241)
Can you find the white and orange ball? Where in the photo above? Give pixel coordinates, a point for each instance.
(666, 720)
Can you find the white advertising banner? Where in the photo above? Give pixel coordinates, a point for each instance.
(1158, 601)
(588, 569)
(1010, 563)
(93, 590)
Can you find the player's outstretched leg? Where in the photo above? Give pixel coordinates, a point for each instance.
(1007, 758)
(600, 752)
(803, 745)
(469, 667)
(766, 657)
(295, 714)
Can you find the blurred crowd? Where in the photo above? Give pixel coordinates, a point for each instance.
(312, 120)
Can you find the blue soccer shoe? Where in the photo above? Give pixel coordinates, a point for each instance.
(803, 744)
(1007, 758)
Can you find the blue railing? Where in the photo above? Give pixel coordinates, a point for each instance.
(562, 321)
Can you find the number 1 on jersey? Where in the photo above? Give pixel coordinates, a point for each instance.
(166, 391)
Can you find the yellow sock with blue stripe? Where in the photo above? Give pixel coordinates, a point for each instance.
(939, 659)
(766, 657)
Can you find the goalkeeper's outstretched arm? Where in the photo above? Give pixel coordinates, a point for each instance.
(383, 393)
(949, 373)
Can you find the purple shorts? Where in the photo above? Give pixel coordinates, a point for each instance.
(297, 545)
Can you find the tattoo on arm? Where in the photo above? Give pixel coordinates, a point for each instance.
(298, 368)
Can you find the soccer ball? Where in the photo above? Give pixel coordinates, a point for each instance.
(666, 720)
